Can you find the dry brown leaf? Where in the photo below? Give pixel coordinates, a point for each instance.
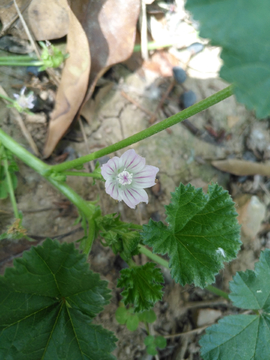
(110, 26)
(162, 63)
(8, 12)
(73, 86)
(90, 107)
(47, 19)
(242, 167)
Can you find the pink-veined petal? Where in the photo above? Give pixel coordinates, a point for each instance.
(112, 189)
(146, 177)
(133, 197)
(132, 162)
(110, 168)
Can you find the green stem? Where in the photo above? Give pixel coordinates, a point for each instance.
(154, 257)
(165, 263)
(152, 45)
(6, 98)
(10, 188)
(80, 173)
(154, 129)
(24, 155)
(217, 291)
(41, 168)
(17, 58)
(30, 63)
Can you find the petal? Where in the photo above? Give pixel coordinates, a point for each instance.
(112, 189)
(132, 196)
(110, 168)
(22, 90)
(146, 177)
(16, 96)
(132, 162)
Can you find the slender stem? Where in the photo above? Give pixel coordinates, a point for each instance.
(30, 63)
(10, 189)
(154, 257)
(24, 155)
(7, 98)
(152, 45)
(17, 58)
(154, 129)
(40, 167)
(217, 291)
(147, 327)
(80, 173)
(165, 263)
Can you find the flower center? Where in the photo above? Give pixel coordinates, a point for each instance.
(124, 178)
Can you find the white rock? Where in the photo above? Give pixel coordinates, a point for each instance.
(207, 316)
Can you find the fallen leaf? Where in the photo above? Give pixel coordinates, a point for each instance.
(8, 12)
(47, 19)
(242, 167)
(90, 107)
(73, 86)
(162, 63)
(110, 27)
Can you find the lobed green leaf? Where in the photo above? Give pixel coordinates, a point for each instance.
(48, 301)
(242, 30)
(202, 234)
(243, 337)
(142, 286)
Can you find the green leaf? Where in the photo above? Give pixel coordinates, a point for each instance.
(151, 349)
(251, 289)
(121, 315)
(152, 342)
(127, 316)
(132, 322)
(149, 340)
(148, 316)
(142, 286)
(203, 233)
(119, 236)
(243, 337)
(48, 301)
(242, 30)
(161, 342)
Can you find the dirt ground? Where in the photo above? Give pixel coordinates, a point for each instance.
(184, 154)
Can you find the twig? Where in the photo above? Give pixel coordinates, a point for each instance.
(143, 21)
(27, 31)
(30, 37)
(126, 96)
(160, 104)
(187, 333)
(24, 130)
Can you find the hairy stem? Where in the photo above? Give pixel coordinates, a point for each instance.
(154, 129)
(11, 189)
(85, 174)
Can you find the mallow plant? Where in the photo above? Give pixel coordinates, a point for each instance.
(50, 297)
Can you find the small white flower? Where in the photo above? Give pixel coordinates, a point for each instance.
(127, 177)
(25, 102)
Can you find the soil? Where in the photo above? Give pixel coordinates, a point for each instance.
(227, 130)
